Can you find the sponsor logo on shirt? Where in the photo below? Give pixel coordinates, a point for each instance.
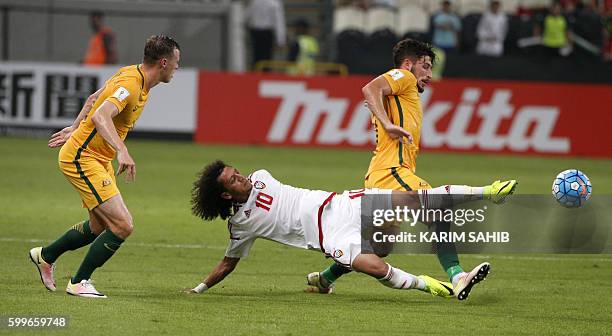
(337, 254)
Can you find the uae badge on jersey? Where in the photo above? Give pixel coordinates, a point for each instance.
(259, 185)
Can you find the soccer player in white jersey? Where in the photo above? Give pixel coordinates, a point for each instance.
(259, 206)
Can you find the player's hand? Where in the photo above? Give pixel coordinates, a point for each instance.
(58, 139)
(127, 164)
(90, 101)
(398, 133)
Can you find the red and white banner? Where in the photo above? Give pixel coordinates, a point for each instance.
(459, 115)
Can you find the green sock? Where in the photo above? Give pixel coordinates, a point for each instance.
(100, 251)
(453, 270)
(76, 237)
(332, 273)
(447, 253)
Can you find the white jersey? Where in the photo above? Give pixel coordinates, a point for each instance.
(277, 212)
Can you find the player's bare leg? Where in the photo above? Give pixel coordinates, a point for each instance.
(96, 225)
(118, 223)
(115, 216)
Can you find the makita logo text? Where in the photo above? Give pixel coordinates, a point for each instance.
(531, 125)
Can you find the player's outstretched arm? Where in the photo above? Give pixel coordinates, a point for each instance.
(59, 139)
(373, 94)
(223, 269)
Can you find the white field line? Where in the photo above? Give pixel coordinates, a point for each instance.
(566, 257)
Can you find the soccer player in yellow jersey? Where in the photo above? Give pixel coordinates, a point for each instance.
(393, 99)
(88, 148)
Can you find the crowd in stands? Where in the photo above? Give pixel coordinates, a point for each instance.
(561, 28)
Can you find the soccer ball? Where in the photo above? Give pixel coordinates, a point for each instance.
(571, 188)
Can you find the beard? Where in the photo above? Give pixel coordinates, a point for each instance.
(420, 88)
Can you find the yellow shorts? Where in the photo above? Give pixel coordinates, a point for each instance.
(93, 179)
(398, 178)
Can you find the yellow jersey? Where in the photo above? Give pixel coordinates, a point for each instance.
(125, 89)
(403, 107)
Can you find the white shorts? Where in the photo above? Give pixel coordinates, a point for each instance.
(341, 226)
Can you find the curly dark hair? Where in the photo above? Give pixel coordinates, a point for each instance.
(413, 50)
(158, 47)
(206, 200)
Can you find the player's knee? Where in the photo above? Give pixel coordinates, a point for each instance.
(124, 231)
(128, 229)
(128, 226)
(130, 221)
(123, 227)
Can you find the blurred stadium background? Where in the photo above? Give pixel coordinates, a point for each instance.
(526, 114)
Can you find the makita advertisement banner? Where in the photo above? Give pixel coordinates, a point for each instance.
(458, 115)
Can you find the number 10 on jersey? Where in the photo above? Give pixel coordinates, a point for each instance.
(264, 201)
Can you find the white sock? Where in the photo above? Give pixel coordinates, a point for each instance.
(398, 279)
(449, 195)
(456, 278)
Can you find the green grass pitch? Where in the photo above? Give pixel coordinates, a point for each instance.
(170, 250)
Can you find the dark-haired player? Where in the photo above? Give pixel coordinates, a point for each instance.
(393, 99)
(259, 206)
(88, 148)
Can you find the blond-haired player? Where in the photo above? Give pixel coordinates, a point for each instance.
(88, 148)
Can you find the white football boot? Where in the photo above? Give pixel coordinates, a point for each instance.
(468, 280)
(44, 269)
(85, 289)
